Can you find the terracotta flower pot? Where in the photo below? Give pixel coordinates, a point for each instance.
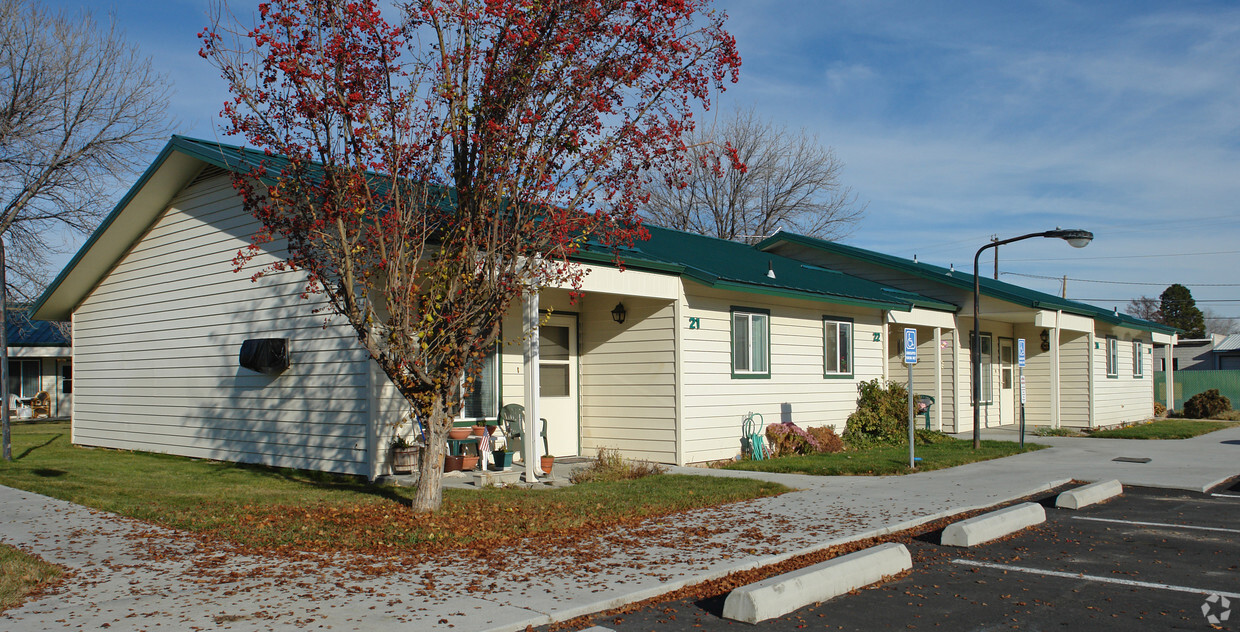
(546, 461)
(458, 433)
(469, 463)
(477, 430)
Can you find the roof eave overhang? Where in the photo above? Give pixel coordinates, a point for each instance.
(171, 170)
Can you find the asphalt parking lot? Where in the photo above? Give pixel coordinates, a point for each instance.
(1150, 559)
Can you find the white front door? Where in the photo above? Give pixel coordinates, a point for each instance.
(1007, 382)
(557, 392)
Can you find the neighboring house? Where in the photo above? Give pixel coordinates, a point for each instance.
(40, 359)
(1191, 354)
(1227, 353)
(710, 331)
(1085, 366)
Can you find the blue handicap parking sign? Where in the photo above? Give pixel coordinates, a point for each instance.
(910, 345)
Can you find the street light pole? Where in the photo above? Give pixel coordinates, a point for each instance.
(1076, 239)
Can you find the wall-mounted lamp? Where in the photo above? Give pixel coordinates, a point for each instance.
(618, 313)
(1045, 336)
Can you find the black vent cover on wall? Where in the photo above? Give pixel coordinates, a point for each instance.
(265, 355)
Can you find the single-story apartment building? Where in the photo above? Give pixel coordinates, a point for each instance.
(1085, 367)
(661, 360)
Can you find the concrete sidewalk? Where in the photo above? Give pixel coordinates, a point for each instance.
(129, 575)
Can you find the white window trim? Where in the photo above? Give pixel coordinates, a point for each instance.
(831, 326)
(749, 315)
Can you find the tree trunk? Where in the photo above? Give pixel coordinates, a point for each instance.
(4, 356)
(430, 469)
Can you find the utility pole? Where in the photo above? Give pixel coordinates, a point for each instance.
(1063, 292)
(995, 238)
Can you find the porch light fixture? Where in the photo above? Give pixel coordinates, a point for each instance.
(618, 313)
(1045, 336)
(1076, 239)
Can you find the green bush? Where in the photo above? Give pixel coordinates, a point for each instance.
(881, 417)
(1206, 405)
(931, 437)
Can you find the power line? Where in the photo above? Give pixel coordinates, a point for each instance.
(1173, 300)
(1055, 278)
(1180, 254)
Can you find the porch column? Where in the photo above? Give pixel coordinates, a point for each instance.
(1055, 373)
(530, 432)
(938, 378)
(1093, 342)
(1169, 365)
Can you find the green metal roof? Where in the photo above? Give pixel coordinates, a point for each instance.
(963, 280)
(713, 262)
(735, 266)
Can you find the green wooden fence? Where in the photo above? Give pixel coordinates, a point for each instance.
(1189, 383)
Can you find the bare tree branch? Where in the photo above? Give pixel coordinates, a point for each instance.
(783, 179)
(77, 106)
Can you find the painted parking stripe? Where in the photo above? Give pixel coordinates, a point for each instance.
(1157, 524)
(1226, 495)
(1096, 578)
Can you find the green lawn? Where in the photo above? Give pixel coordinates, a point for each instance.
(887, 460)
(297, 509)
(22, 574)
(1165, 429)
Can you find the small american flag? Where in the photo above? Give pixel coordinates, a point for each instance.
(484, 442)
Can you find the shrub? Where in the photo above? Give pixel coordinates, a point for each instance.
(931, 437)
(881, 417)
(827, 439)
(1160, 410)
(1206, 405)
(786, 439)
(609, 466)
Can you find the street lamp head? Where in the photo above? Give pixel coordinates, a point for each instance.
(1075, 238)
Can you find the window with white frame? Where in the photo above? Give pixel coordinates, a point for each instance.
(1112, 356)
(751, 351)
(986, 368)
(1138, 359)
(837, 347)
(481, 399)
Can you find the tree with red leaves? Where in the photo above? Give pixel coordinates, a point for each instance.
(433, 172)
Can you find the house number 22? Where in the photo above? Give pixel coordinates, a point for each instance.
(878, 337)
(695, 322)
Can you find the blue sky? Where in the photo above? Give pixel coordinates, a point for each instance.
(962, 120)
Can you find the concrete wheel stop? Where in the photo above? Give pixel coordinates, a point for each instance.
(777, 596)
(993, 525)
(1089, 494)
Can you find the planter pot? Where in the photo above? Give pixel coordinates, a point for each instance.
(404, 460)
(503, 460)
(469, 463)
(452, 463)
(458, 433)
(478, 431)
(546, 462)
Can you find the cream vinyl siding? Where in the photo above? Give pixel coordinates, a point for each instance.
(1037, 378)
(156, 346)
(628, 378)
(1074, 378)
(715, 403)
(1124, 398)
(924, 370)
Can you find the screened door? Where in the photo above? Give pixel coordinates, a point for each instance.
(557, 388)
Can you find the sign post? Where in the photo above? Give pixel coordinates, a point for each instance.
(1020, 358)
(910, 358)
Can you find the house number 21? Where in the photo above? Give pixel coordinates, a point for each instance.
(695, 322)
